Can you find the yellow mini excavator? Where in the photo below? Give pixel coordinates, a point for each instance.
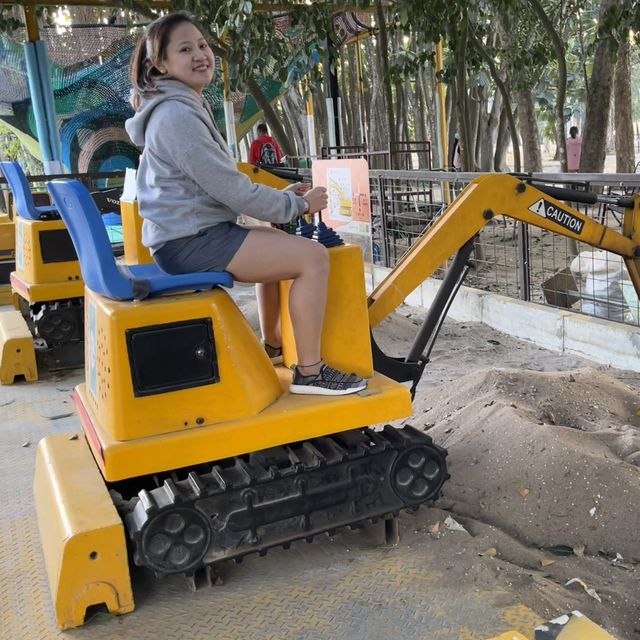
(192, 451)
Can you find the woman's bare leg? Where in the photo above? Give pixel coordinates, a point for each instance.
(268, 296)
(267, 256)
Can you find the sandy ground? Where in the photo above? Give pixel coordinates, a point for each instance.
(544, 456)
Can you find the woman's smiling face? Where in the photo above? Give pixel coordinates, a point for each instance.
(188, 57)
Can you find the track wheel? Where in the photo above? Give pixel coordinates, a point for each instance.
(174, 540)
(419, 473)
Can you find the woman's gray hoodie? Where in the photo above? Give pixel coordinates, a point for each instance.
(187, 179)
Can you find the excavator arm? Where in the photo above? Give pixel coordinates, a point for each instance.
(502, 194)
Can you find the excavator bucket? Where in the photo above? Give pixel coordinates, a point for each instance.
(82, 535)
(573, 626)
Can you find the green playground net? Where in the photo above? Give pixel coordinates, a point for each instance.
(89, 63)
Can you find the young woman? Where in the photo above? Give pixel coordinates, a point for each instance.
(190, 194)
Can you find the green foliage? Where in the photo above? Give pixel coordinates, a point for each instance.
(10, 147)
(9, 21)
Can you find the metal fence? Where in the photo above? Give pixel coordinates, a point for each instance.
(512, 258)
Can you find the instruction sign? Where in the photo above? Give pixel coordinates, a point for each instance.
(349, 208)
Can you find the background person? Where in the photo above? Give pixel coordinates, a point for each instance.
(574, 150)
(264, 149)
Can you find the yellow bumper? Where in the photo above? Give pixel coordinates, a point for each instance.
(81, 533)
(17, 354)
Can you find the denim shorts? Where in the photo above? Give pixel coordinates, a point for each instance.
(211, 249)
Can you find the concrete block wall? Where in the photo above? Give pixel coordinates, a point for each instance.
(563, 331)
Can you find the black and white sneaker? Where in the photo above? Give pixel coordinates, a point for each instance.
(274, 353)
(327, 382)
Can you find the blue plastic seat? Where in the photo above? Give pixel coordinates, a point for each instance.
(97, 263)
(19, 185)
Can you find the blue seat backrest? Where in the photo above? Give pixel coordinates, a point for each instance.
(89, 235)
(19, 185)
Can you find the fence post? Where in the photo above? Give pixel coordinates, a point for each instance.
(524, 273)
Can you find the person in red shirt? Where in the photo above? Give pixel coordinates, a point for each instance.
(264, 149)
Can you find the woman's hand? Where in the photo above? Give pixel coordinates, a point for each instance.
(317, 199)
(299, 188)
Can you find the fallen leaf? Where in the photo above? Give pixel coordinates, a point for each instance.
(545, 562)
(560, 550)
(592, 592)
(490, 553)
(452, 525)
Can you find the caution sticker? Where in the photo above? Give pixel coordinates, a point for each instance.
(565, 219)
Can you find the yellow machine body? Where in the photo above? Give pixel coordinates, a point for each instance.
(248, 407)
(81, 532)
(7, 257)
(260, 176)
(46, 265)
(134, 251)
(17, 355)
(346, 342)
(572, 626)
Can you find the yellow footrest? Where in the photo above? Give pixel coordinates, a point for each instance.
(17, 355)
(81, 532)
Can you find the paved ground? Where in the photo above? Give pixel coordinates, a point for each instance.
(351, 586)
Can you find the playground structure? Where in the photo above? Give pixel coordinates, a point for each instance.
(65, 92)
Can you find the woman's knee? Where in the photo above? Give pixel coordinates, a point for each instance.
(317, 260)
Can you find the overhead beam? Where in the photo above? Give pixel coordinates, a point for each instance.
(161, 4)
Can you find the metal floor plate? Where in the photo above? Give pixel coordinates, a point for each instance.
(341, 588)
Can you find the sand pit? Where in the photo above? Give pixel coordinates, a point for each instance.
(544, 456)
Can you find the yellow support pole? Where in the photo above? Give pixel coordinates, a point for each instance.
(361, 94)
(31, 22)
(443, 117)
(311, 126)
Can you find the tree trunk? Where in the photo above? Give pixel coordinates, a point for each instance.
(491, 133)
(558, 47)
(294, 109)
(320, 119)
(473, 125)
(345, 101)
(383, 53)
(419, 121)
(502, 142)
(353, 96)
(507, 111)
(452, 121)
(271, 117)
(594, 136)
(466, 142)
(625, 157)
(532, 156)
